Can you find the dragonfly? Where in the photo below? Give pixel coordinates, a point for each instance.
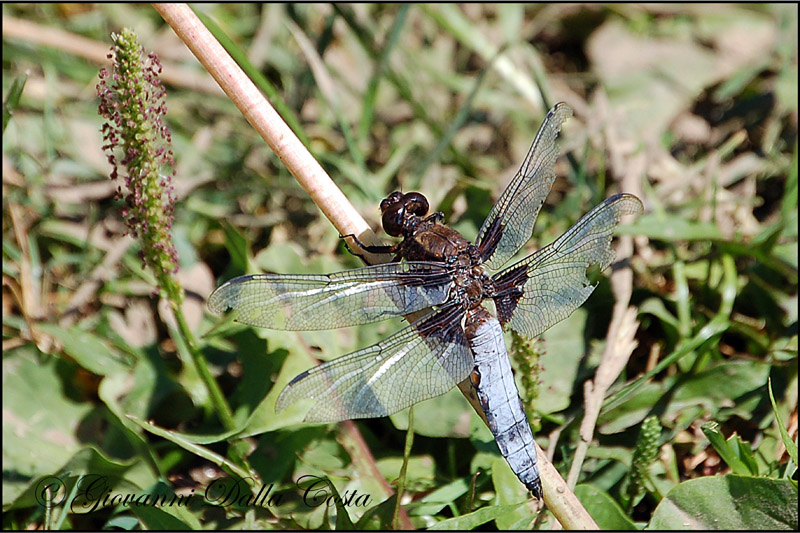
(439, 272)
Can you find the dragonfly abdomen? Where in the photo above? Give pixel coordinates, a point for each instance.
(497, 392)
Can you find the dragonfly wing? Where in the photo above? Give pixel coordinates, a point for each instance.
(313, 302)
(553, 279)
(510, 224)
(426, 359)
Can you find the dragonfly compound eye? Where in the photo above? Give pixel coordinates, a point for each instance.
(393, 219)
(416, 203)
(391, 200)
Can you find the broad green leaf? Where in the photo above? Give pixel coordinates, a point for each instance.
(87, 349)
(447, 415)
(379, 516)
(728, 503)
(159, 519)
(86, 467)
(40, 421)
(564, 348)
(603, 508)
(510, 493)
(739, 377)
(343, 521)
(632, 411)
(125, 523)
(420, 472)
(435, 501)
(474, 519)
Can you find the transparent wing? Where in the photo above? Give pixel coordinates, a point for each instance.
(553, 279)
(312, 302)
(510, 224)
(426, 359)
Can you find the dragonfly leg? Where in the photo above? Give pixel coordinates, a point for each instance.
(435, 217)
(386, 249)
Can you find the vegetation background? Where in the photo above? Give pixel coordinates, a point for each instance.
(692, 108)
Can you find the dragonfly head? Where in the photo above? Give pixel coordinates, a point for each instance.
(400, 211)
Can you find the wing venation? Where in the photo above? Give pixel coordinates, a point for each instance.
(553, 279)
(510, 223)
(314, 302)
(424, 360)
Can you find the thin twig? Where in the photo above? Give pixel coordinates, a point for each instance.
(559, 498)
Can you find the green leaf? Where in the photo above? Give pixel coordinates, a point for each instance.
(238, 248)
(728, 502)
(744, 452)
(603, 508)
(474, 519)
(510, 493)
(343, 521)
(12, 100)
(739, 377)
(440, 498)
(87, 349)
(420, 470)
(717, 440)
(379, 516)
(447, 415)
(156, 519)
(564, 348)
(85, 466)
(125, 523)
(631, 411)
(196, 449)
(40, 421)
(671, 228)
(791, 446)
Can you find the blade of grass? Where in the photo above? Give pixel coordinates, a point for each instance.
(366, 39)
(789, 202)
(329, 92)
(452, 128)
(12, 99)
(452, 19)
(682, 299)
(791, 446)
(707, 334)
(368, 111)
(255, 75)
(401, 480)
(305, 81)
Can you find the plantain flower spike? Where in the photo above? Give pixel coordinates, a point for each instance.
(138, 144)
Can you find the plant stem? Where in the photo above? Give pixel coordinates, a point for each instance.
(217, 398)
